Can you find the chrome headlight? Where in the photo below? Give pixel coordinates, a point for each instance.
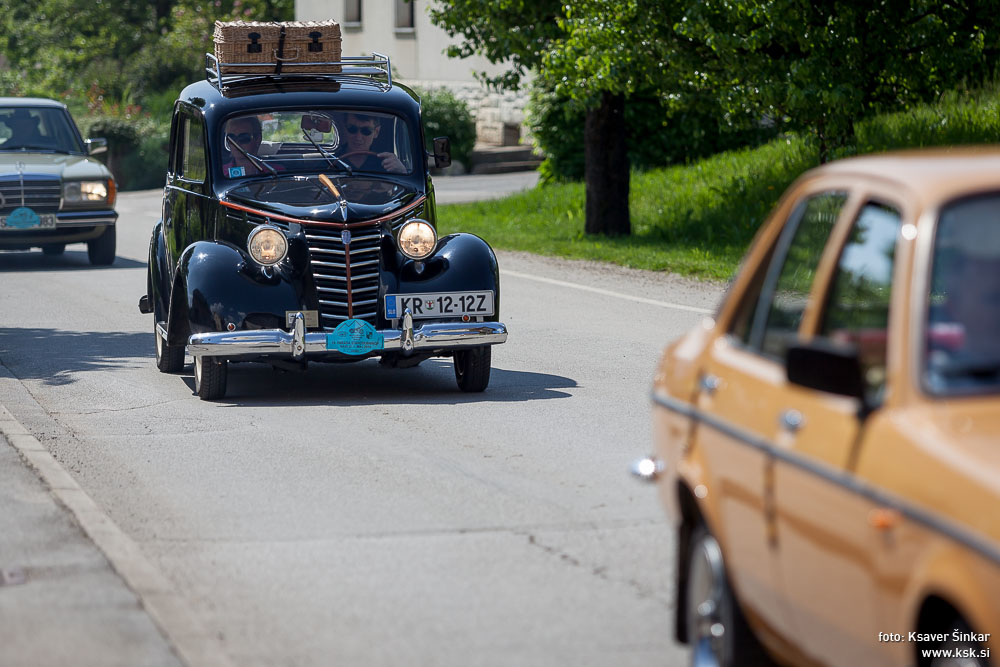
(267, 245)
(86, 191)
(416, 239)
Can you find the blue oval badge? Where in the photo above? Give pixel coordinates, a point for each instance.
(355, 337)
(23, 218)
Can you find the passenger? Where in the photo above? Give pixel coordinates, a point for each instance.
(246, 132)
(361, 131)
(24, 130)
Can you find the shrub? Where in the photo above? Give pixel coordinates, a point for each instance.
(658, 136)
(446, 115)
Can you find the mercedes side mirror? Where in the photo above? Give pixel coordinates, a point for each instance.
(96, 146)
(442, 152)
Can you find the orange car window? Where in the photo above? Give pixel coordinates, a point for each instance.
(786, 292)
(962, 345)
(857, 310)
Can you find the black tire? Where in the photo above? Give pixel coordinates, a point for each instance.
(53, 249)
(169, 358)
(210, 375)
(472, 368)
(716, 629)
(101, 251)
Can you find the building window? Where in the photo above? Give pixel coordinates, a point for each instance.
(352, 12)
(404, 15)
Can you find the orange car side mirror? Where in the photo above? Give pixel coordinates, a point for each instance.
(825, 366)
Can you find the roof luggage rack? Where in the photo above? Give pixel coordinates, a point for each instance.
(374, 68)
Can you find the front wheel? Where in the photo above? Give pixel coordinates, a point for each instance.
(716, 629)
(472, 368)
(169, 358)
(210, 375)
(101, 251)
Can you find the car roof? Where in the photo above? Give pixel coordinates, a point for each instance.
(931, 176)
(300, 92)
(30, 102)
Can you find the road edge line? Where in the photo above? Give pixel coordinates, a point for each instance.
(604, 292)
(165, 607)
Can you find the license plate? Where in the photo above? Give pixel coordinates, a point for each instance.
(439, 304)
(25, 218)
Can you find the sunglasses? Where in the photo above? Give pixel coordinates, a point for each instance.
(241, 138)
(354, 129)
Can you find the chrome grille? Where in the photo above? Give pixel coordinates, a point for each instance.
(328, 257)
(40, 194)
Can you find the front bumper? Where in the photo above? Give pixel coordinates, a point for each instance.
(298, 344)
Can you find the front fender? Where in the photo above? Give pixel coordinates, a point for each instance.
(217, 286)
(461, 263)
(158, 278)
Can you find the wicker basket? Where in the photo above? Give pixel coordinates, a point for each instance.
(273, 48)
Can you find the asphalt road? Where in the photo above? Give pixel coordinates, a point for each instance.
(358, 515)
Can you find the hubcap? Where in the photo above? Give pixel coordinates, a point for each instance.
(705, 593)
(159, 344)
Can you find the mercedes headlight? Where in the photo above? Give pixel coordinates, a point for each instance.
(417, 239)
(88, 191)
(267, 245)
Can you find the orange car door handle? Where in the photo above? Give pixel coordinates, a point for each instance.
(792, 420)
(710, 383)
(884, 518)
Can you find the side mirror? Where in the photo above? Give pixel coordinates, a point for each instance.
(442, 152)
(96, 146)
(820, 364)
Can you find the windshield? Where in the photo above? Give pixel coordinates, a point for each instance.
(962, 341)
(316, 141)
(37, 129)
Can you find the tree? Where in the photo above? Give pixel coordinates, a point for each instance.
(821, 66)
(597, 53)
(610, 51)
(514, 31)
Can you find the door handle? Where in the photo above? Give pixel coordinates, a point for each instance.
(709, 383)
(791, 420)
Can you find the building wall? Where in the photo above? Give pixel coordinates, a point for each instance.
(418, 59)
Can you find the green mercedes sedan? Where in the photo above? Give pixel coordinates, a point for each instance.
(52, 192)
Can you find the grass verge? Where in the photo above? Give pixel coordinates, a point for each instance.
(698, 219)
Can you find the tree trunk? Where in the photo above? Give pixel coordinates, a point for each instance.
(606, 173)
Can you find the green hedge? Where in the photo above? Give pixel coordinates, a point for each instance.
(137, 148)
(444, 115)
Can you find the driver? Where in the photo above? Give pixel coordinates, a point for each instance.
(361, 130)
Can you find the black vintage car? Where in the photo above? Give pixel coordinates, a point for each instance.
(299, 225)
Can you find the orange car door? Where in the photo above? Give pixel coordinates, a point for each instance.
(741, 390)
(823, 536)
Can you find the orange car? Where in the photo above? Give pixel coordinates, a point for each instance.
(828, 444)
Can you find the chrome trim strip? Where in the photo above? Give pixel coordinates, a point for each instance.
(915, 513)
(431, 336)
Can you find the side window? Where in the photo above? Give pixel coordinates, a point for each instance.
(785, 292)
(191, 140)
(857, 307)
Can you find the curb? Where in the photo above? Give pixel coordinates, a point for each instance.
(182, 628)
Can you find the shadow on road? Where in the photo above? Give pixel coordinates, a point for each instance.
(24, 261)
(56, 356)
(368, 383)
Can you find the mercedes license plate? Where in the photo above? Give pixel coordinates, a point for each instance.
(35, 221)
(440, 304)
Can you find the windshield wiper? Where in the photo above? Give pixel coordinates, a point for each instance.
(330, 157)
(250, 156)
(28, 147)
